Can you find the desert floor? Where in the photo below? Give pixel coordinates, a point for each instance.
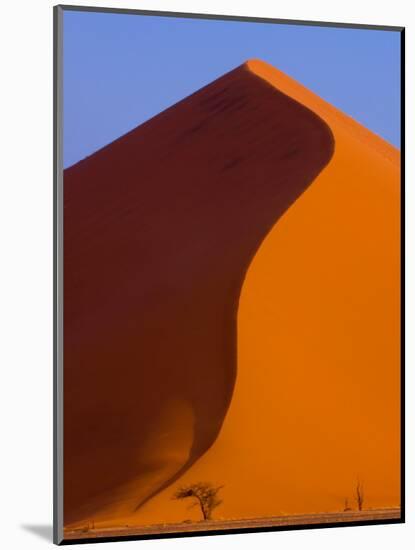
(220, 525)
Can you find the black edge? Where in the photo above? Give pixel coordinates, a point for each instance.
(239, 531)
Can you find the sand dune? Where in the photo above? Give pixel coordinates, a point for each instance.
(160, 228)
(316, 403)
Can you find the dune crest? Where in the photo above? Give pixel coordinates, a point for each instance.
(325, 110)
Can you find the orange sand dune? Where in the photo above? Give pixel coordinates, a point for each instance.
(317, 397)
(160, 228)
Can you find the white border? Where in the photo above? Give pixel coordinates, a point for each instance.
(26, 269)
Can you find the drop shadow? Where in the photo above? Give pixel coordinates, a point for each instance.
(44, 532)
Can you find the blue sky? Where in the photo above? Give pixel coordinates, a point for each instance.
(122, 69)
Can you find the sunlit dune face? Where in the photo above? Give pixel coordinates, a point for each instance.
(316, 405)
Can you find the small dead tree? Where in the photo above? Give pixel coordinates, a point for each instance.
(360, 495)
(205, 495)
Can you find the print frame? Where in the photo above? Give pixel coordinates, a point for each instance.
(59, 304)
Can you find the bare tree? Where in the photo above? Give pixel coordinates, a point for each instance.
(205, 495)
(360, 495)
(88, 527)
(346, 505)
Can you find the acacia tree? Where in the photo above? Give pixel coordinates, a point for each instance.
(205, 495)
(360, 495)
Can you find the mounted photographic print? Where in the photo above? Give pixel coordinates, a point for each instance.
(228, 267)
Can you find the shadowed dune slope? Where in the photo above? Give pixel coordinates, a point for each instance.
(316, 403)
(160, 228)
